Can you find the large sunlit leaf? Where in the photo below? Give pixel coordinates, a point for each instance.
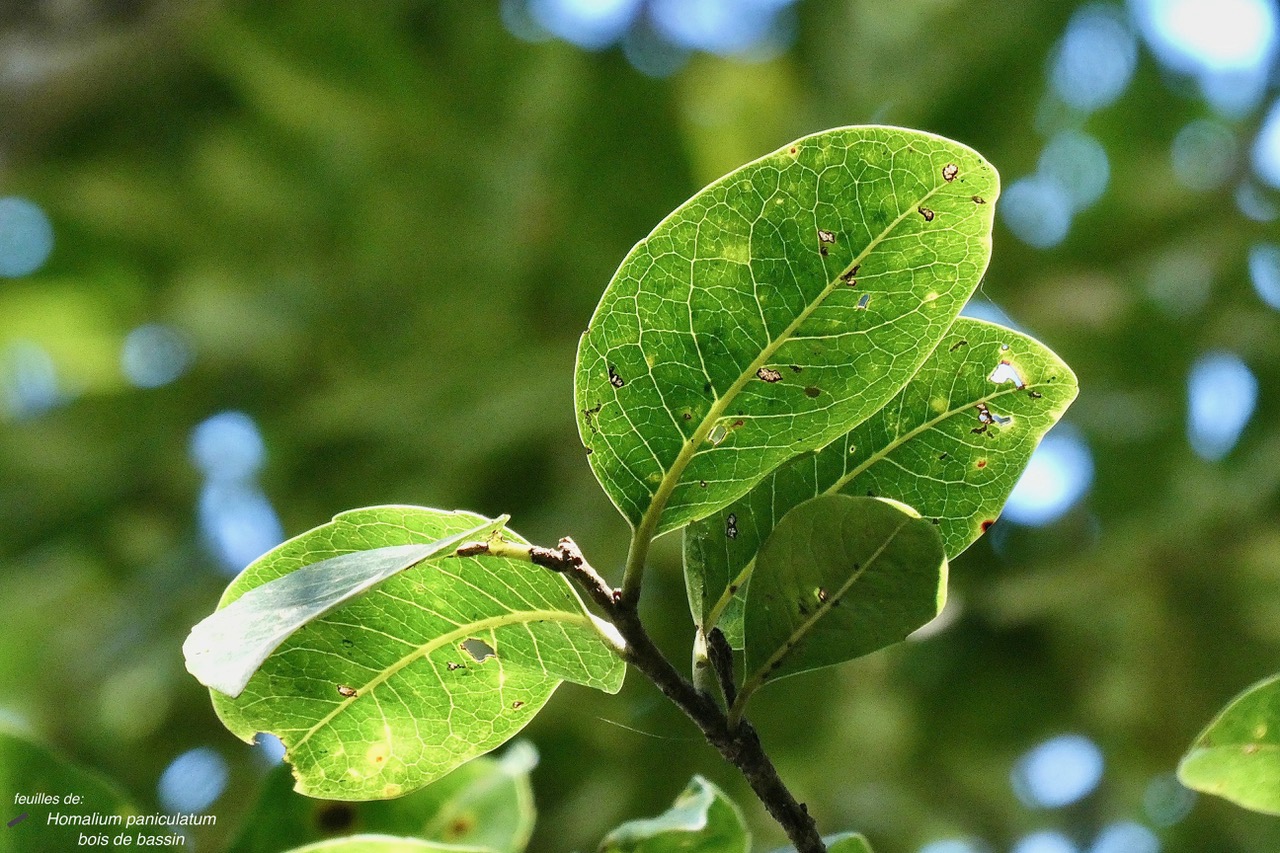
(840, 577)
(952, 445)
(701, 820)
(427, 670)
(224, 650)
(487, 802)
(1238, 756)
(773, 311)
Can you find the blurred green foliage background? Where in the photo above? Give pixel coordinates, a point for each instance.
(377, 230)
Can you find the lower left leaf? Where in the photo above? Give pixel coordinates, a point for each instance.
(428, 669)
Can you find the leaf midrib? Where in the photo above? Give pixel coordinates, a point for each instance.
(421, 651)
(649, 522)
(725, 597)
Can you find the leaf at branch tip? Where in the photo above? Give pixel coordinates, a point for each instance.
(226, 648)
(929, 448)
(369, 843)
(1237, 756)
(702, 820)
(422, 673)
(775, 310)
(840, 577)
(841, 842)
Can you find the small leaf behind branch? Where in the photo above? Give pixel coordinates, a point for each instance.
(702, 820)
(1237, 756)
(226, 648)
(840, 577)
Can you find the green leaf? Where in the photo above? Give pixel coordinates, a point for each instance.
(841, 842)
(773, 311)
(39, 775)
(383, 844)
(429, 669)
(487, 802)
(701, 820)
(840, 577)
(928, 448)
(225, 649)
(1238, 755)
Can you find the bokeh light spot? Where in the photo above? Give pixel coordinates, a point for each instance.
(1197, 36)
(1044, 842)
(1266, 148)
(193, 781)
(1058, 772)
(238, 522)
(270, 748)
(718, 26)
(1095, 59)
(1037, 210)
(1078, 163)
(26, 237)
(1125, 837)
(954, 845)
(1221, 394)
(228, 446)
(1166, 800)
(1264, 272)
(1057, 477)
(154, 355)
(591, 24)
(1204, 154)
(28, 380)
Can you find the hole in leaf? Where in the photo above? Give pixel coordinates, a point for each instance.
(768, 374)
(478, 649)
(517, 705)
(820, 594)
(345, 691)
(927, 213)
(718, 434)
(614, 379)
(849, 277)
(863, 302)
(731, 526)
(949, 172)
(977, 199)
(1006, 372)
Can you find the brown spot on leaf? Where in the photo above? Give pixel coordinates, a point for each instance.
(460, 826)
(1034, 395)
(982, 463)
(828, 237)
(451, 666)
(794, 149)
(986, 525)
(345, 691)
(949, 172)
(977, 199)
(517, 705)
(768, 374)
(926, 212)
(812, 392)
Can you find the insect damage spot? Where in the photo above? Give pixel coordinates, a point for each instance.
(718, 434)
(986, 419)
(517, 705)
(986, 524)
(731, 526)
(977, 199)
(768, 374)
(345, 691)
(957, 345)
(347, 642)
(454, 665)
(589, 418)
(863, 302)
(478, 649)
(850, 276)
(825, 239)
(1006, 372)
(821, 595)
(982, 463)
(795, 368)
(614, 379)
(949, 172)
(702, 483)
(812, 392)
(1034, 395)
(926, 212)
